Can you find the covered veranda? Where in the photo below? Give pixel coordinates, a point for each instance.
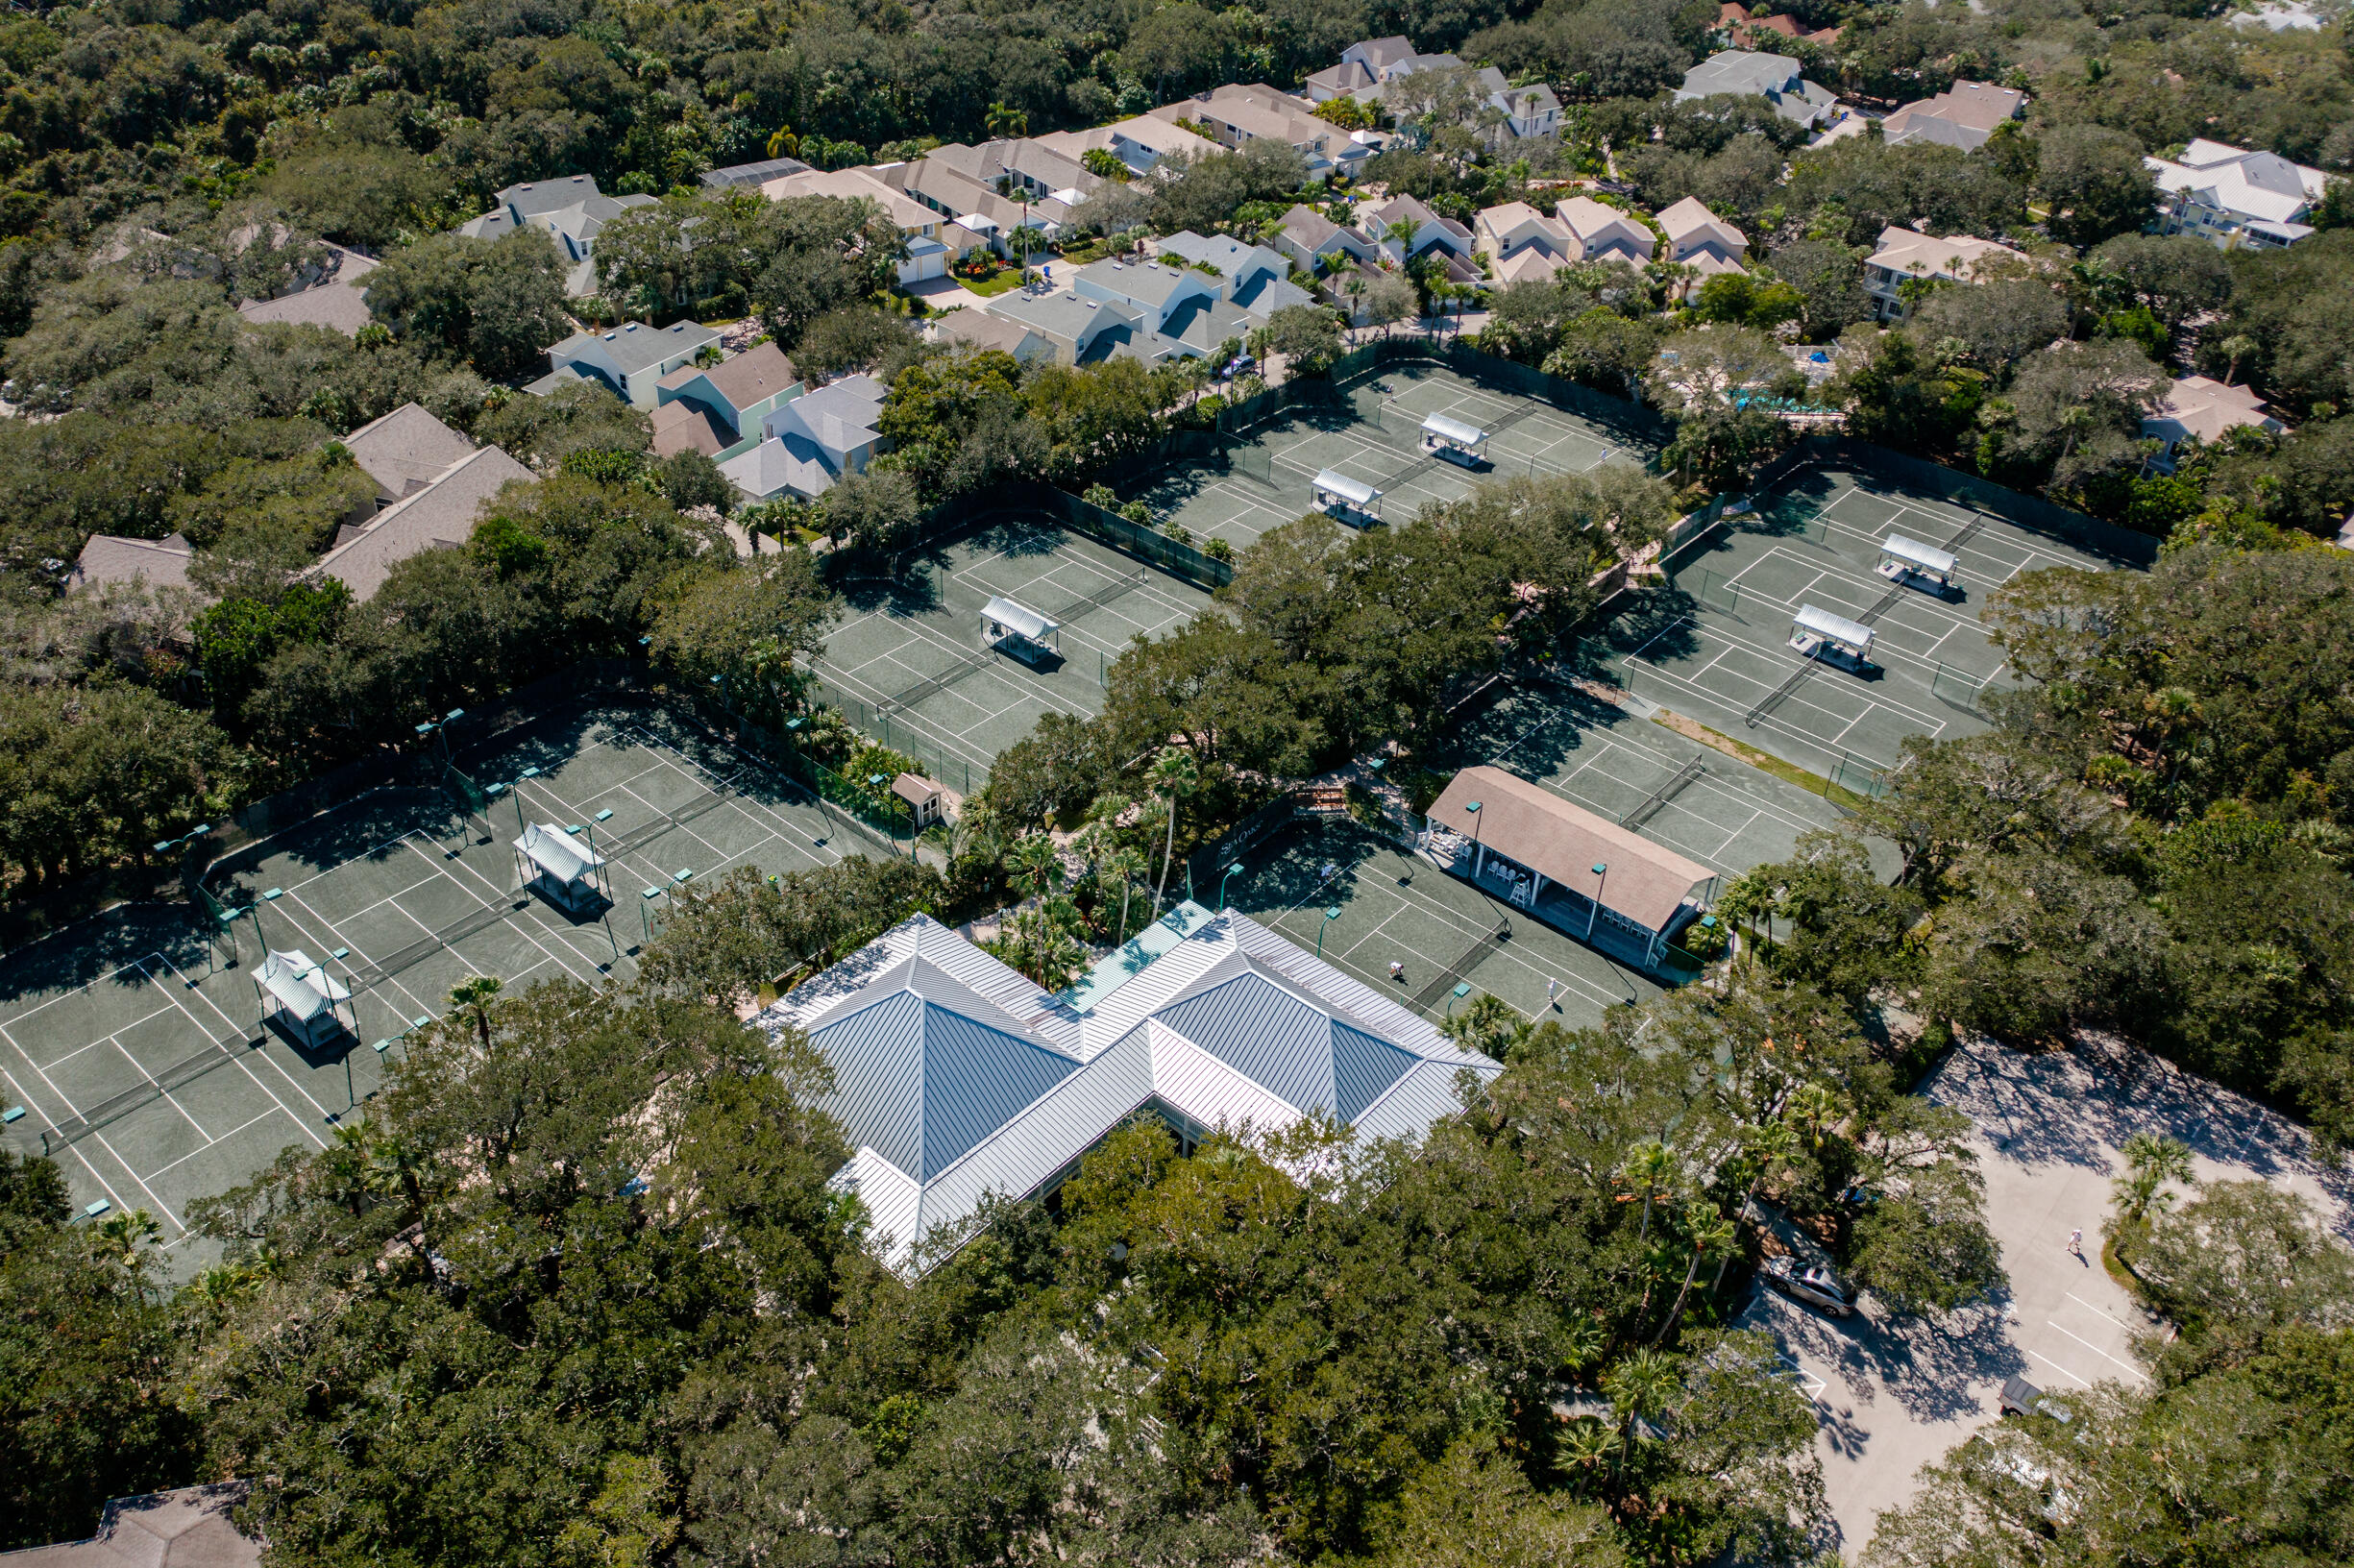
(1584, 874)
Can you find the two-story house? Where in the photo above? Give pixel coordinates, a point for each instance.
(570, 211)
(2234, 198)
(1699, 239)
(1185, 306)
(1236, 115)
(1522, 243)
(717, 409)
(629, 362)
(1082, 329)
(1313, 241)
(811, 442)
(1775, 78)
(1965, 116)
(935, 240)
(1257, 278)
(1906, 255)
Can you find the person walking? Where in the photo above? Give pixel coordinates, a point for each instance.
(2075, 1244)
(1553, 990)
(1397, 970)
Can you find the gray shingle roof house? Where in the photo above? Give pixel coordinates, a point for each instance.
(955, 1077)
(1775, 78)
(1081, 330)
(405, 450)
(570, 211)
(105, 557)
(1964, 115)
(1256, 278)
(440, 516)
(630, 359)
(186, 1528)
(338, 299)
(808, 443)
(730, 396)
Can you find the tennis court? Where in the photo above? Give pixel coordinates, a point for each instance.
(916, 674)
(1396, 908)
(1371, 433)
(140, 1052)
(1714, 644)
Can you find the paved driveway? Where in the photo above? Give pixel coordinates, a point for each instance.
(1896, 1396)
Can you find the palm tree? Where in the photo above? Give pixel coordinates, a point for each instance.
(1006, 123)
(475, 992)
(1036, 866)
(1711, 1232)
(1130, 864)
(1651, 1166)
(2236, 348)
(1171, 777)
(1581, 1450)
(2151, 1161)
(1639, 1387)
(1811, 1109)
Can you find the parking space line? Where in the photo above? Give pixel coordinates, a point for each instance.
(2136, 1372)
(2057, 1368)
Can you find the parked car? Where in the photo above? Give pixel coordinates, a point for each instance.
(2020, 1397)
(1812, 1286)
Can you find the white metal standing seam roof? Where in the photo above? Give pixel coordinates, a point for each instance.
(947, 1095)
(1356, 491)
(1455, 431)
(557, 854)
(1836, 629)
(1913, 552)
(302, 987)
(1016, 618)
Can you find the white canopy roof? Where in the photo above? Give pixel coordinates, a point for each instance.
(1026, 623)
(1453, 429)
(301, 987)
(1353, 491)
(1912, 552)
(558, 852)
(1835, 629)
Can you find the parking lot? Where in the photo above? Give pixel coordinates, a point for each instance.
(910, 669)
(1714, 643)
(1894, 1397)
(1372, 433)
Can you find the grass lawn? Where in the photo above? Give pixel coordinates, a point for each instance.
(1004, 282)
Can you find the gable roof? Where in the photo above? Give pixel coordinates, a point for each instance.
(1691, 220)
(1528, 824)
(440, 516)
(405, 450)
(338, 300)
(633, 345)
(684, 426)
(754, 375)
(2203, 406)
(107, 557)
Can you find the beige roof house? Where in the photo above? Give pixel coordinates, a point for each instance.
(1605, 234)
(1699, 239)
(405, 450)
(1906, 254)
(186, 1529)
(337, 299)
(1140, 143)
(1964, 115)
(441, 516)
(1645, 882)
(2204, 408)
(106, 557)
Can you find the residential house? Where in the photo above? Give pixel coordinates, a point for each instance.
(935, 241)
(630, 360)
(1775, 78)
(1184, 307)
(1083, 329)
(1605, 234)
(809, 443)
(111, 558)
(1143, 143)
(1964, 115)
(570, 211)
(1236, 115)
(996, 187)
(1371, 71)
(1313, 241)
(191, 1528)
(1906, 254)
(986, 329)
(716, 408)
(1383, 225)
(1522, 243)
(1257, 280)
(750, 176)
(1745, 32)
(438, 516)
(2235, 198)
(1699, 239)
(335, 297)
(953, 1077)
(2202, 408)
(403, 452)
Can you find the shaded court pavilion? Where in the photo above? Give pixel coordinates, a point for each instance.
(1604, 884)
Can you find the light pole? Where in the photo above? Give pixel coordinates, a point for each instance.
(1330, 915)
(1223, 880)
(1601, 879)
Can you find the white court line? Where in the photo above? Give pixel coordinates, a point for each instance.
(2081, 1302)
(2103, 1354)
(160, 1172)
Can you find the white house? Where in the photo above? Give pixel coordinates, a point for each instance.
(2235, 198)
(809, 443)
(1699, 239)
(570, 211)
(630, 360)
(1257, 278)
(956, 1078)
(1773, 78)
(1369, 70)
(1906, 254)
(1431, 232)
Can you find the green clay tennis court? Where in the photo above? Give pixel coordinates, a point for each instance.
(1372, 435)
(911, 669)
(1714, 644)
(140, 1048)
